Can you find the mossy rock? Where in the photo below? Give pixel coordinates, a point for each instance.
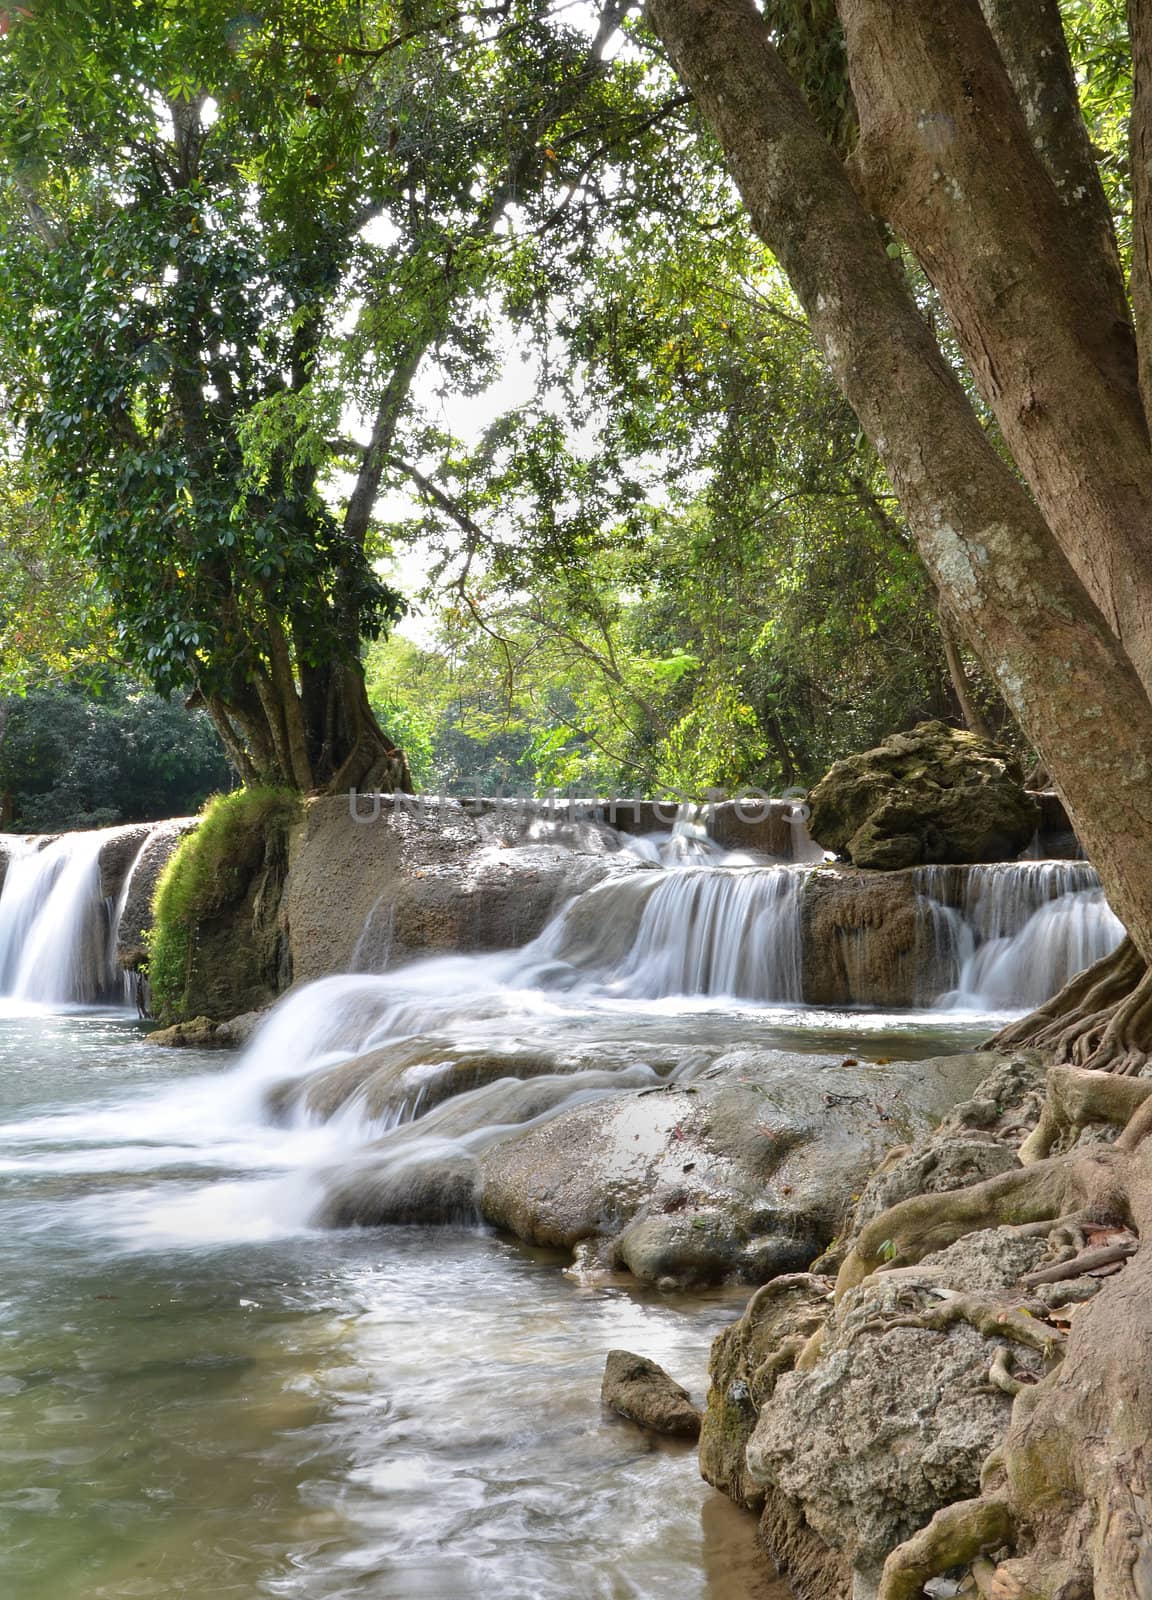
(217, 946)
(934, 794)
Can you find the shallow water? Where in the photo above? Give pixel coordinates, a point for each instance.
(398, 1414)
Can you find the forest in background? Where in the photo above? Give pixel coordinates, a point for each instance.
(239, 327)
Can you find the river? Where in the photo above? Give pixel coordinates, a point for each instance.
(203, 1395)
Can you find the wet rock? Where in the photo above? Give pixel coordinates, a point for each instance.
(146, 865)
(747, 1171)
(643, 1392)
(934, 794)
(430, 1170)
(418, 880)
(119, 850)
(419, 1187)
(198, 1033)
(746, 1362)
(866, 940)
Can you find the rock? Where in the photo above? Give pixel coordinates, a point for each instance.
(867, 941)
(430, 879)
(390, 1080)
(745, 1172)
(643, 1392)
(145, 867)
(939, 1165)
(430, 1170)
(198, 1033)
(120, 848)
(202, 1033)
(885, 1429)
(889, 1422)
(743, 1371)
(410, 1187)
(935, 794)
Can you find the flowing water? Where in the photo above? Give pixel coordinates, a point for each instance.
(203, 1394)
(201, 1397)
(1017, 931)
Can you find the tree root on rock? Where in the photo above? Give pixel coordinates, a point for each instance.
(1046, 1191)
(1076, 1097)
(1065, 1510)
(994, 1319)
(1101, 1020)
(954, 1538)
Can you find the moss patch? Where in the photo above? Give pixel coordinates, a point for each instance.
(212, 949)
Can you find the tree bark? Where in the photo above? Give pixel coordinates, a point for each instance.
(1034, 49)
(974, 719)
(1056, 661)
(945, 156)
(1140, 165)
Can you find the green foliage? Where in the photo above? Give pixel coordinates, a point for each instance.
(82, 756)
(54, 618)
(743, 605)
(210, 870)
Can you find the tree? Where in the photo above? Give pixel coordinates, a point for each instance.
(973, 157)
(220, 230)
(90, 755)
(698, 577)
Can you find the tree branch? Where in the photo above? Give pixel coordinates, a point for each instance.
(1035, 51)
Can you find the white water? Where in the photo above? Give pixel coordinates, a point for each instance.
(729, 931)
(221, 1399)
(1020, 931)
(57, 929)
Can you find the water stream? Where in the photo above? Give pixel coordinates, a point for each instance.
(204, 1394)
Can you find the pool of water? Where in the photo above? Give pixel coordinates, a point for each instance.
(202, 1396)
(399, 1414)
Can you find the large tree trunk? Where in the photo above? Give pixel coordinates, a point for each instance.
(322, 735)
(1053, 589)
(946, 157)
(1058, 664)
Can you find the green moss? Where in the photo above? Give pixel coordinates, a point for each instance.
(209, 873)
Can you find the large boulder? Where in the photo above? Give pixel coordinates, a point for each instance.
(868, 940)
(934, 794)
(852, 1420)
(748, 1171)
(141, 873)
(371, 887)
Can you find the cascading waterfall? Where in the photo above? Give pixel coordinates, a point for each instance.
(1020, 929)
(722, 932)
(57, 929)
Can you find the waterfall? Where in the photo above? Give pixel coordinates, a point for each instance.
(57, 929)
(1017, 931)
(718, 931)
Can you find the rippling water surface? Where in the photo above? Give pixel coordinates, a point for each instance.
(200, 1397)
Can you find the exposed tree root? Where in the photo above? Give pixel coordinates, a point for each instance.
(992, 1318)
(1077, 1097)
(1048, 1190)
(1066, 1502)
(1102, 1020)
(954, 1538)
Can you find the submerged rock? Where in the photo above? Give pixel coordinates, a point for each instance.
(643, 1392)
(745, 1172)
(935, 794)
